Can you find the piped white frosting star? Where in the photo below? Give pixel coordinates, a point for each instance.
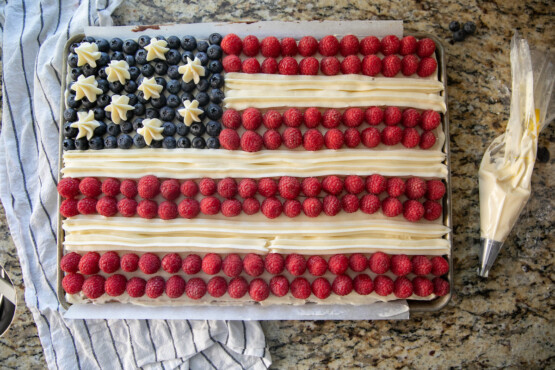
(190, 112)
(119, 107)
(156, 49)
(193, 70)
(85, 124)
(86, 86)
(151, 130)
(118, 70)
(150, 88)
(87, 53)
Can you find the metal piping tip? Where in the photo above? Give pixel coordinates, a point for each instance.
(489, 249)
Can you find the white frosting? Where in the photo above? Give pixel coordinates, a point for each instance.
(118, 108)
(87, 53)
(150, 88)
(86, 87)
(190, 112)
(156, 49)
(118, 70)
(85, 124)
(151, 130)
(193, 70)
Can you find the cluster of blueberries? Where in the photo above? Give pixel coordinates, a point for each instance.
(208, 92)
(460, 32)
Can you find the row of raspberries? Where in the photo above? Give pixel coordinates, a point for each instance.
(252, 118)
(271, 47)
(253, 264)
(95, 286)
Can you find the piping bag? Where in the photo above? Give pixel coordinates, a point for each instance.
(505, 174)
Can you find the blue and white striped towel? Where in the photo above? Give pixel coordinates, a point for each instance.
(34, 33)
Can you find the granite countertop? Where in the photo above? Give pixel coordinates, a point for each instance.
(504, 321)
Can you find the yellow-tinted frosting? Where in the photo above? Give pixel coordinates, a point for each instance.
(86, 87)
(118, 70)
(156, 49)
(87, 53)
(151, 130)
(119, 107)
(85, 124)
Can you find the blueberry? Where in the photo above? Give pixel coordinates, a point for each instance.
(116, 44)
(102, 73)
(173, 42)
(117, 55)
(141, 97)
(161, 81)
(216, 80)
(132, 99)
(215, 66)
(137, 124)
(72, 60)
(181, 128)
(198, 129)
(110, 142)
(88, 104)
(158, 102)
(139, 109)
(169, 143)
(116, 87)
(103, 60)
(103, 85)
(72, 103)
(203, 84)
(69, 144)
(144, 40)
(96, 143)
(202, 57)
(173, 101)
(103, 100)
(173, 72)
(199, 143)
(454, 26)
(213, 128)
(126, 127)
(73, 46)
(88, 70)
(186, 55)
(202, 99)
(187, 96)
(103, 45)
(82, 144)
(161, 68)
(213, 143)
(216, 96)
(202, 46)
(188, 86)
(161, 38)
(156, 144)
(99, 114)
(215, 39)
(214, 111)
(214, 52)
(88, 39)
(147, 70)
(183, 142)
(113, 129)
(459, 35)
(70, 115)
(130, 47)
(139, 141)
(125, 141)
(101, 129)
(173, 86)
(173, 57)
(169, 129)
(130, 59)
(189, 43)
(140, 56)
(469, 28)
(70, 131)
(167, 114)
(134, 73)
(152, 113)
(131, 86)
(76, 72)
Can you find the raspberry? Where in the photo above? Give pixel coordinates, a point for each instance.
(353, 117)
(292, 137)
(349, 45)
(402, 287)
(370, 45)
(237, 287)
(370, 137)
(271, 207)
(352, 137)
(210, 205)
(195, 288)
(188, 208)
(392, 116)
(328, 46)
(311, 186)
(421, 265)
(155, 287)
(279, 285)
(232, 265)
(330, 66)
(351, 65)
(427, 140)
(342, 285)
(129, 188)
(230, 139)
(392, 207)
(338, 264)
(432, 210)
(189, 188)
(374, 116)
(350, 203)
(272, 119)
(379, 263)
(149, 263)
(211, 263)
(331, 118)
(390, 45)
(288, 66)
(250, 65)
(252, 118)
(288, 47)
(441, 287)
(136, 287)
(232, 63)
(90, 187)
(292, 208)
(312, 207)
(370, 204)
(109, 262)
(293, 117)
(253, 264)
(408, 45)
(192, 264)
(70, 262)
(309, 66)
(422, 287)
(300, 288)
(247, 188)
(115, 285)
(383, 285)
(270, 47)
(267, 187)
(376, 184)
(425, 47)
(430, 120)
(332, 185)
(392, 135)
(227, 188)
(231, 119)
(69, 207)
(289, 187)
(68, 187)
(107, 206)
(269, 66)
(333, 139)
(216, 287)
(274, 263)
(170, 189)
(413, 210)
(251, 46)
(259, 290)
(175, 286)
(207, 186)
(409, 65)
(129, 262)
(391, 65)
(321, 288)
(313, 140)
(363, 284)
(167, 210)
(411, 117)
(231, 44)
(295, 264)
(171, 263)
(332, 205)
(440, 266)
(395, 187)
(88, 264)
(149, 187)
(401, 265)
(110, 187)
(312, 117)
(308, 45)
(147, 209)
(251, 206)
(426, 67)
(415, 188)
(316, 265)
(93, 286)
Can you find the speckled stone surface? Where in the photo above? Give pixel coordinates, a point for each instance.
(507, 320)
